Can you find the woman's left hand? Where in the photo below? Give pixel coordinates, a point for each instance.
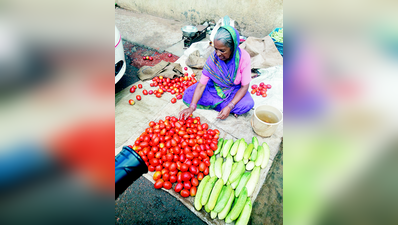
(224, 113)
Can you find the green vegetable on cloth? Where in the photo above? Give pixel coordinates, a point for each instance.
(278, 36)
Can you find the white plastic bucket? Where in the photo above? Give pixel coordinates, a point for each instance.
(262, 128)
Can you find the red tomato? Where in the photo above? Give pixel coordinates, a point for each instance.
(158, 95)
(264, 95)
(195, 161)
(200, 176)
(254, 86)
(189, 156)
(184, 167)
(154, 162)
(192, 191)
(158, 167)
(213, 146)
(269, 86)
(179, 96)
(144, 58)
(164, 171)
(138, 97)
(140, 86)
(182, 158)
(206, 162)
(132, 89)
(184, 193)
(151, 168)
(169, 157)
(206, 171)
(261, 84)
(178, 187)
(202, 154)
(173, 166)
(185, 176)
(209, 153)
(145, 92)
(202, 167)
(173, 100)
(179, 177)
(194, 170)
(195, 154)
(166, 177)
(173, 178)
(253, 91)
(194, 182)
(187, 185)
(167, 185)
(166, 164)
(150, 58)
(205, 126)
(159, 184)
(174, 172)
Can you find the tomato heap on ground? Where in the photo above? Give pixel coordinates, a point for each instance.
(175, 86)
(179, 151)
(261, 89)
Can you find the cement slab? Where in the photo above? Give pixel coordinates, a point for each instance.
(147, 30)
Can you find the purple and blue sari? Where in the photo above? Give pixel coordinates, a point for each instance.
(220, 89)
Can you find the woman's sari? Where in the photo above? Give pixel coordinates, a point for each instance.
(220, 88)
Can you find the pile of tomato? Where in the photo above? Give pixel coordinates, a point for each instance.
(261, 89)
(178, 151)
(175, 86)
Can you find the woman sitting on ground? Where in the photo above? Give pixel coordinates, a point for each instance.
(225, 79)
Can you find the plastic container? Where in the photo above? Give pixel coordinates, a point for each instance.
(278, 45)
(266, 129)
(128, 167)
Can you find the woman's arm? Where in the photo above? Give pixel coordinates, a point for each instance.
(224, 113)
(196, 96)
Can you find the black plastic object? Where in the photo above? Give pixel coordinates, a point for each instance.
(129, 166)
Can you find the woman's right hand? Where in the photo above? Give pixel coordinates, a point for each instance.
(184, 114)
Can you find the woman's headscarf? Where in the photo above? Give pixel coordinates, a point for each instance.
(222, 73)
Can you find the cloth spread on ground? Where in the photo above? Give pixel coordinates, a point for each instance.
(165, 69)
(263, 52)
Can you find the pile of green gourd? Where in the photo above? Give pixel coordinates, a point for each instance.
(226, 191)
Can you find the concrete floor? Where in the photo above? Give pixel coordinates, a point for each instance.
(141, 203)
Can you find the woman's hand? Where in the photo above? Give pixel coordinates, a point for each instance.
(224, 113)
(184, 114)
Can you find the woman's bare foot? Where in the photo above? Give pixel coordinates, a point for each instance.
(236, 116)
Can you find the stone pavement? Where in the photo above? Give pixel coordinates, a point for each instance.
(141, 203)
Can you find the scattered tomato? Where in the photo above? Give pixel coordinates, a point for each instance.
(269, 86)
(173, 100)
(131, 102)
(150, 92)
(169, 55)
(132, 89)
(145, 92)
(150, 58)
(185, 68)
